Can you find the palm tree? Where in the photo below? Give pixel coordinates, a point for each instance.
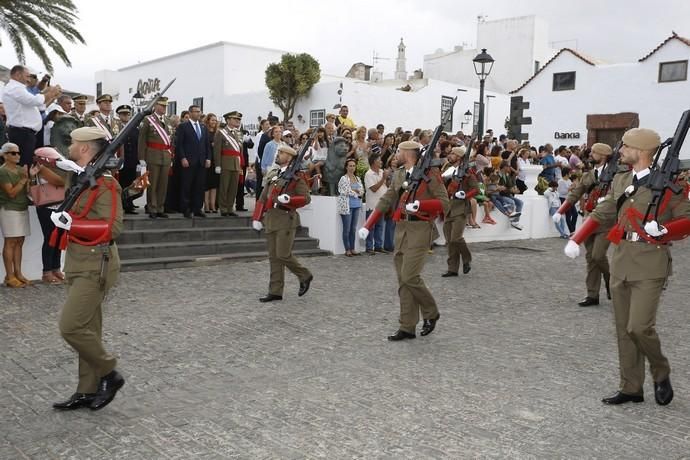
(28, 22)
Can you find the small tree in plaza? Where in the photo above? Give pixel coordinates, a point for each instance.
(290, 79)
(29, 21)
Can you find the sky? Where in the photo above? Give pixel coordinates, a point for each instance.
(338, 34)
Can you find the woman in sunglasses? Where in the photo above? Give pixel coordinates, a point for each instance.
(14, 214)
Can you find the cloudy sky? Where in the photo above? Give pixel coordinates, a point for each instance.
(338, 34)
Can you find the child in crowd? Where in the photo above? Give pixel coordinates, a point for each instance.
(554, 203)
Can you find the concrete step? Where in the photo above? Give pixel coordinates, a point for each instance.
(143, 222)
(216, 259)
(172, 235)
(203, 248)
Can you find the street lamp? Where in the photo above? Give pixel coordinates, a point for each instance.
(468, 117)
(137, 100)
(483, 63)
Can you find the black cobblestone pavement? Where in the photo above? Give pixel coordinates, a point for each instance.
(515, 369)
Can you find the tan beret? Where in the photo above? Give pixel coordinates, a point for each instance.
(601, 149)
(642, 138)
(287, 149)
(459, 150)
(410, 145)
(87, 133)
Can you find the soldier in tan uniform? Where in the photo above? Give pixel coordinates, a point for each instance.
(227, 156)
(79, 110)
(596, 244)
(414, 233)
(106, 118)
(280, 203)
(640, 265)
(459, 194)
(155, 155)
(92, 267)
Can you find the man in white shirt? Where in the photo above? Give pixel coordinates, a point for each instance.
(23, 111)
(375, 185)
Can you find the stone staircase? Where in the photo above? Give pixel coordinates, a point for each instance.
(149, 244)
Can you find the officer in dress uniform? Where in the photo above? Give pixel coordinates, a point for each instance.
(155, 154)
(414, 233)
(459, 194)
(278, 205)
(227, 156)
(78, 112)
(92, 267)
(105, 119)
(640, 264)
(597, 244)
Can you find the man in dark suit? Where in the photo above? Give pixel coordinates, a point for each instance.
(193, 148)
(131, 152)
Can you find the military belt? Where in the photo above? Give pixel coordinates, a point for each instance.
(635, 237)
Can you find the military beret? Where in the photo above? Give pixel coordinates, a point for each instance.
(642, 138)
(162, 101)
(601, 149)
(104, 98)
(459, 150)
(80, 98)
(87, 133)
(233, 114)
(287, 149)
(410, 145)
(123, 108)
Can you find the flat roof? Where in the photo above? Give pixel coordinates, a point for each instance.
(194, 50)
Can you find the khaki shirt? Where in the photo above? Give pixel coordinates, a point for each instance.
(277, 218)
(149, 134)
(220, 143)
(459, 208)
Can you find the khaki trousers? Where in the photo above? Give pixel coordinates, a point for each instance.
(634, 306)
(597, 262)
(413, 293)
(227, 190)
(279, 257)
(81, 326)
(453, 231)
(158, 187)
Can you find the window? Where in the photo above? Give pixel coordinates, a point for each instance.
(99, 89)
(172, 107)
(563, 81)
(673, 71)
(317, 118)
(446, 104)
(200, 102)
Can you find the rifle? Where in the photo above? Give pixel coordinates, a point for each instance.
(106, 158)
(461, 172)
(293, 168)
(663, 178)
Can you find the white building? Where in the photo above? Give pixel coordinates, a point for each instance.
(574, 99)
(519, 47)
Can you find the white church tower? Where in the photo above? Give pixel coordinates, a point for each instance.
(400, 72)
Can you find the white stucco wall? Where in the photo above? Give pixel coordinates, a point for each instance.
(606, 89)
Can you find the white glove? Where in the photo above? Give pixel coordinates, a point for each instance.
(412, 207)
(142, 163)
(217, 169)
(448, 172)
(257, 225)
(363, 233)
(284, 198)
(572, 249)
(61, 220)
(601, 199)
(69, 165)
(556, 218)
(141, 169)
(654, 229)
(460, 194)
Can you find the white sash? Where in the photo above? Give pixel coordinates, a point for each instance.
(99, 124)
(231, 140)
(155, 122)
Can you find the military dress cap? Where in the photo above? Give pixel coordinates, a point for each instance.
(123, 109)
(233, 114)
(601, 149)
(641, 138)
(287, 149)
(410, 145)
(104, 98)
(459, 150)
(80, 98)
(87, 133)
(162, 101)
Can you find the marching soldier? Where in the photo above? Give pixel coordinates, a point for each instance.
(281, 221)
(92, 267)
(414, 233)
(79, 110)
(105, 119)
(640, 264)
(459, 194)
(156, 155)
(227, 156)
(597, 244)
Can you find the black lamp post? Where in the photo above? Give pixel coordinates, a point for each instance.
(137, 101)
(468, 116)
(483, 63)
